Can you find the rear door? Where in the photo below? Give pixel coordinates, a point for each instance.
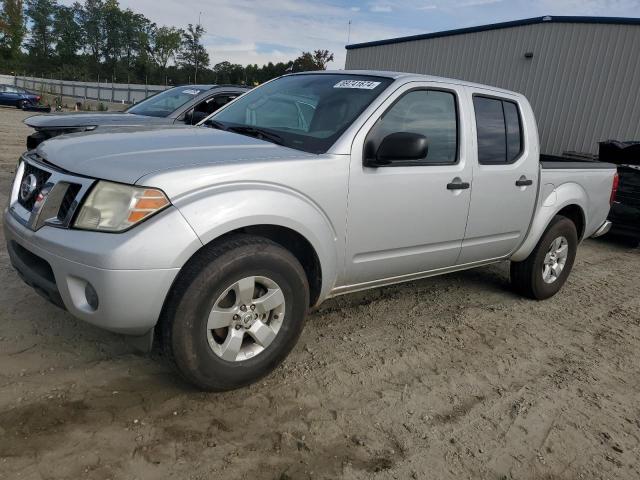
(409, 217)
(505, 176)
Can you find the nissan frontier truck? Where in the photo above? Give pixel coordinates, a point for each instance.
(219, 239)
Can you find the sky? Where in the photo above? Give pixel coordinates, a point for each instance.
(244, 31)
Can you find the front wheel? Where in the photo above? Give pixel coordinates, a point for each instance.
(543, 273)
(235, 312)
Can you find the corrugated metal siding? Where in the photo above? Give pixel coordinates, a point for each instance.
(583, 80)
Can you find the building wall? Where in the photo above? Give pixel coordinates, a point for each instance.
(583, 80)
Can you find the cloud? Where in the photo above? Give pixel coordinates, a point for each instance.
(477, 3)
(380, 9)
(427, 7)
(591, 7)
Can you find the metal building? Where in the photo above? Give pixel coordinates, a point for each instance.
(581, 74)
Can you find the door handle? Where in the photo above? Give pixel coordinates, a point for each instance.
(523, 182)
(458, 184)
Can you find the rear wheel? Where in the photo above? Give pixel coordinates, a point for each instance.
(543, 273)
(21, 104)
(236, 311)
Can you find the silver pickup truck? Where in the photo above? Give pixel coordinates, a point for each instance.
(220, 238)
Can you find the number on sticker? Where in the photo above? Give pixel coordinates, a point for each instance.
(360, 84)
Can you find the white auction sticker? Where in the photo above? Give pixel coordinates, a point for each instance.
(191, 92)
(361, 84)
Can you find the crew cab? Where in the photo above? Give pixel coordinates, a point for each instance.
(219, 239)
(187, 104)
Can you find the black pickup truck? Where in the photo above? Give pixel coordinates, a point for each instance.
(625, 211)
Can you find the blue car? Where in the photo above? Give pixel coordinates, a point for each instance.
(13, 96)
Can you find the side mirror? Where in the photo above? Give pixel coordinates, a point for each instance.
(400, 146)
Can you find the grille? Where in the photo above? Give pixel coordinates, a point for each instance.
(41, 178)
(68, 201)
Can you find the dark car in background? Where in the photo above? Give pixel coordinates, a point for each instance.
(188, 104)
(12, 96)
(625, 210)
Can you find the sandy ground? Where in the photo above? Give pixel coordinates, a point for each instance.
(453, 377)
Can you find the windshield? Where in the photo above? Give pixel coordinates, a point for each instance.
(165, 103)
(307, 112)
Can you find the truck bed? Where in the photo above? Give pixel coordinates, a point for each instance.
(566, 163)
(591, 177)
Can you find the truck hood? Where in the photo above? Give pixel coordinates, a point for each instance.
(68, 120)
(127, 155)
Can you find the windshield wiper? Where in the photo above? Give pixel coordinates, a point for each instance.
(258, 133)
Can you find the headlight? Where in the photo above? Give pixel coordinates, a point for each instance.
(114, 207)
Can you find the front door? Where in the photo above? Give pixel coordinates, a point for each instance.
(505, 179)
(409, 217)
(8, 96)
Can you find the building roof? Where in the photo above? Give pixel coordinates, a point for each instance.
(497, 26)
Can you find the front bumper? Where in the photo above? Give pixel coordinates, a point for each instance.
(131, 273)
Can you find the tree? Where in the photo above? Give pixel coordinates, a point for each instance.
(66, 34)
(12, 30)
(90, 18)
(227, 72)
(41, 13)
(136, 31)
(163, 45)
(312, 61)
(193, 55)
(112, 30)
(321, 58)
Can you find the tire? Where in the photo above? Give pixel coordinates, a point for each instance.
(20, 105)
(528, 276)
(211, 278)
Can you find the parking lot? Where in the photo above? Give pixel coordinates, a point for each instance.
(450, 377)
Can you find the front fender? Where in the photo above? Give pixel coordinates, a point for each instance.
(216, 211)
(552, 200)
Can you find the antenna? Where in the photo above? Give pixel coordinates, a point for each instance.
(195, 75)
(349, 32)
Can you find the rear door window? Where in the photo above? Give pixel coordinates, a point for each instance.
(499, 130)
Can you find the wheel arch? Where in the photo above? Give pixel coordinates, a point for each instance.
(291, 240)
(283, 215)
(576, 214)
(569, 200)
(297, 245)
